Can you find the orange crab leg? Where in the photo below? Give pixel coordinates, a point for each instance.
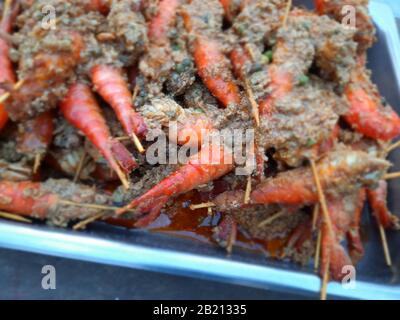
(37, 135)
(6, 69)
(356, 248)
(331, 249)
(50, 68)
(161, 23)
(197, 171)
(226, 4)
(214, 70)
(299, 235)
(369, 118)
(367, 114)
(377, 199)
(239, 57)
(319, 6)
(80, 108)
(111, 85)
(333, 252)
(281, 84)
(297, 186)
(25, 198)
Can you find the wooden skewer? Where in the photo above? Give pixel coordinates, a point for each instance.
(134, 137)
(317, 251)
(84, 223)
(19, 84)
(321, 196)
(15, 168)
(287, 11)
(135, 93)
(393, 175)
(271, 219)
(80, 166)
(14, 217)
(315, 216)
(385, 245)
(6, 95)
(231, 242)
(248, 190)
(137, 142)
(6, 9)
(123, 138)
(202, 205)
(36, 163)
(254, 105)
(122, 177)
(324, 285)
(250, 51)
(393, 146)
(89, 205)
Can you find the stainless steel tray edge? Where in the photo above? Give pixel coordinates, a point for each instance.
(384, 18)
(82, 247)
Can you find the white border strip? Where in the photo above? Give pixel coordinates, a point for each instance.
(69, 244)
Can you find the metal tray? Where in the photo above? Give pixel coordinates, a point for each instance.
(158, 252)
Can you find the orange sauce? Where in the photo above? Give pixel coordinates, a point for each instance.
(179, 220)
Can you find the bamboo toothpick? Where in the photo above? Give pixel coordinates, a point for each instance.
(82, 224)
(202, 205)
(253, 103)
(6, 9)
(248, 190)
(91, 206)
(393, 146)
(137, 142)
(16, 168)
(315, 216)
(122, 177)
(135, 93)
(6, 95)
(36, 163)
(317, 251)
(321, 196)
(271, 219)
(133, 136)
(80, 166)
(14, 217)
(392, 175)
(88, 205)
(385, 245)
(123, 138)
(324, 285)
(287, 11)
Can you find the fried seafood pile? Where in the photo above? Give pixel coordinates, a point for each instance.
(83, 97)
